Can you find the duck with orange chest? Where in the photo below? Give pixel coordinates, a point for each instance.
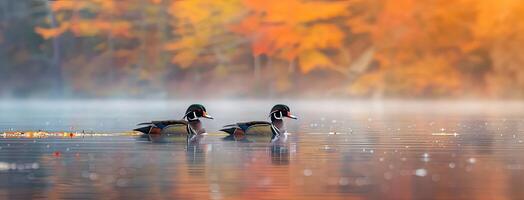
(189, 126)
(274, 129)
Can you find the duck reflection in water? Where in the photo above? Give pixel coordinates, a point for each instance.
(196, 152)
(279, 154)
(168, 138)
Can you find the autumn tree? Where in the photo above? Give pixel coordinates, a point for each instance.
(499, 30)
(199, 33)
(117, 44)
(420, 47)
(294, 29)
(358, 48)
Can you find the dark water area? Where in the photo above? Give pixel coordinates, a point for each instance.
(336, 150)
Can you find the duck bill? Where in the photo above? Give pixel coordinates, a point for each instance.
(291, 116)
(205, 115)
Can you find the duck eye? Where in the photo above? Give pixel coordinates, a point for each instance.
(193, 117)
(279, 115)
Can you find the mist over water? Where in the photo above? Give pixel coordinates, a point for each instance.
(336, 150)
(113, 116)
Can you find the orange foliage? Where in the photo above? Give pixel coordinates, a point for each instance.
(52, 32)
(293, 29)
(384, 47)
(95, 27)
(66, 5)
(196, 24)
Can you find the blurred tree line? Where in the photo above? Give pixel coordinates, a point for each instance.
(262, 48)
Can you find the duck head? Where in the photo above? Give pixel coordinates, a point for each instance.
(196, 111)
(277, 114)
(279, 111)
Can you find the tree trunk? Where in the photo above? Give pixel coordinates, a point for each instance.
(56, 67)
(256, 64)
(291, 66)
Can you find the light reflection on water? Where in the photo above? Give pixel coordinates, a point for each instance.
(336, 151)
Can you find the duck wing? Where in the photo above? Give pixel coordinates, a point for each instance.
(144, 130)
(147, 127)
(261, 129)
(243, 126)
(164, 123)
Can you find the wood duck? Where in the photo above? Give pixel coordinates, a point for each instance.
(189, 125)
(274, 129)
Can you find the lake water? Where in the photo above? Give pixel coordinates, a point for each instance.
(336, 150)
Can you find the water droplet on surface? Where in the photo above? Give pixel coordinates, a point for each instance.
(361, 181)
(93, 176)
(425, 157)
(35, 166)
(451, 165)
(4, 166)
(343, 181)
(308, 172)
(421, 172)
(122, 182)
